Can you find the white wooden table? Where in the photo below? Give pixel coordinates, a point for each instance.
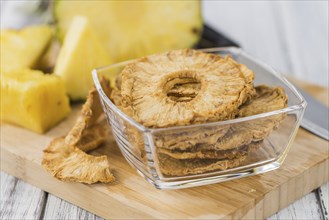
(290, 36)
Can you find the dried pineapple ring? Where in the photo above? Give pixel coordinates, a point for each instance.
(65, 157)
(183, 87)
(266, 99)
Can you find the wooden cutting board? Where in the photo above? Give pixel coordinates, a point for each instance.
(305, 169)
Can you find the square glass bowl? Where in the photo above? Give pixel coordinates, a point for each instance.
(156, 153)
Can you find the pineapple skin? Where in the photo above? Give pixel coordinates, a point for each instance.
(33, 100)
(81, 52)
(22, 48)
(132, 29)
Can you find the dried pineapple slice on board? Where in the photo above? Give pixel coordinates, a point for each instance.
(65, 157)
(69, 163)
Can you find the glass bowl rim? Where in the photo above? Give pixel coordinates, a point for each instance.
(234, 50)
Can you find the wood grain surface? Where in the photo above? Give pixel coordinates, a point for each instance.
(12, 187)
(305, 169)
(291, 36)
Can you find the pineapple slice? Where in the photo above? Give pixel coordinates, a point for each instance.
(48, 60)
(33, 100)
(23, 48)
(131, 29)
(81, 52)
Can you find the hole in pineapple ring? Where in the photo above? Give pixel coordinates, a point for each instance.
(182, 86)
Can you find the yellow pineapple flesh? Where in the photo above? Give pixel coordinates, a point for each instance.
(81, 52)
(33, 100)
(131, 29)
(23, 48)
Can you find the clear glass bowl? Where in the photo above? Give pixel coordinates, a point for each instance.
(150, 151)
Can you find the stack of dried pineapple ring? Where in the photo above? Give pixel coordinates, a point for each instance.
(187, 87)
(184, 87)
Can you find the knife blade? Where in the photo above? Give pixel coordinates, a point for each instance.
(315, 117)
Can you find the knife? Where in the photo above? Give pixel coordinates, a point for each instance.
(315, 120)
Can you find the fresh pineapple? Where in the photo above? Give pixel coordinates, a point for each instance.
(33, 100)
(23, 48)
(81, 52)
(48, 60)
(131, 29)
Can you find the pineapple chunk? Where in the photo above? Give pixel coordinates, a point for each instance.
(81, 52)
(131, 29)
(23, 48)
(33, 100)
